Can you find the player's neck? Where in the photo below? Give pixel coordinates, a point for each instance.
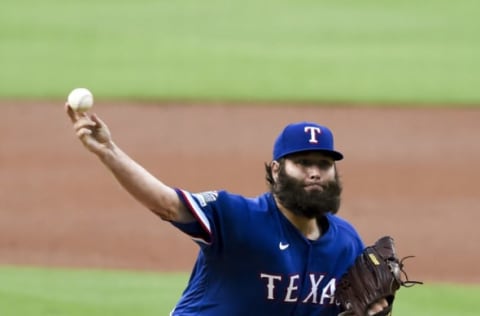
(309, 227)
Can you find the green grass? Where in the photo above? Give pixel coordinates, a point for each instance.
(367, 51)
(48, 292)
(30, 291)
(438, 300)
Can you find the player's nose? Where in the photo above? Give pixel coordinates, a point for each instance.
(314, 172)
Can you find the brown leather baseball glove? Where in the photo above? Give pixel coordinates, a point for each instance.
(376, 274)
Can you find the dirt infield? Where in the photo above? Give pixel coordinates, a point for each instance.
(411, 173)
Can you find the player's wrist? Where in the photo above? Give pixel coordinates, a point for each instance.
(109, 151)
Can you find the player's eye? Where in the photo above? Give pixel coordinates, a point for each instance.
(321, 163)
(324, 164)
(303, 162)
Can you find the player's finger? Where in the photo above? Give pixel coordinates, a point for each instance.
(71, 113)
(97, 120)
(383, 303)
(83, 123)
(83, 132)
(377, 307)
(374, 310)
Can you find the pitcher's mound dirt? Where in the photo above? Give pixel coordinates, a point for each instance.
(410, 173)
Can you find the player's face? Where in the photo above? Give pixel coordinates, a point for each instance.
(308, 184)
(314, 169)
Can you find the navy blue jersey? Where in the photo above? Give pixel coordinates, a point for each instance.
(253, 261)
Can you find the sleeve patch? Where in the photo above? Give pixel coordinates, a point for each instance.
(206, 197)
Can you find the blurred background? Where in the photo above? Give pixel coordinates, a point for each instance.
(197, 92)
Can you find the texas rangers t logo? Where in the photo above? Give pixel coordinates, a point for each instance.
(314, 131)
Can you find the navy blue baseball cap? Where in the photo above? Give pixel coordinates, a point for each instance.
(305, 136)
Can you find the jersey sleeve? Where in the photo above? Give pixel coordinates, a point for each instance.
(199, 205)
(221, 217)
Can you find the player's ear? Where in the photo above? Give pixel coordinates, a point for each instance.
(275, 167)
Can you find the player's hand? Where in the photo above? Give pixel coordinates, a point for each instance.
(91, 130)
(375, 308)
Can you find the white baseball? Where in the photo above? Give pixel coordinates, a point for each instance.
(80, 99)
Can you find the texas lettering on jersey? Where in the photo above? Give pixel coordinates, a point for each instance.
(288, 275)
(290, 293)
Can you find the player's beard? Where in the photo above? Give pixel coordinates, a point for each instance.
(308, 203)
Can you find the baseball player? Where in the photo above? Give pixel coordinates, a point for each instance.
(280, 253)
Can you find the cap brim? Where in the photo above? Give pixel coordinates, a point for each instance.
(332, 153)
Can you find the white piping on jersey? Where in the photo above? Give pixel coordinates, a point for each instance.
(199, 214)
(203, 241)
